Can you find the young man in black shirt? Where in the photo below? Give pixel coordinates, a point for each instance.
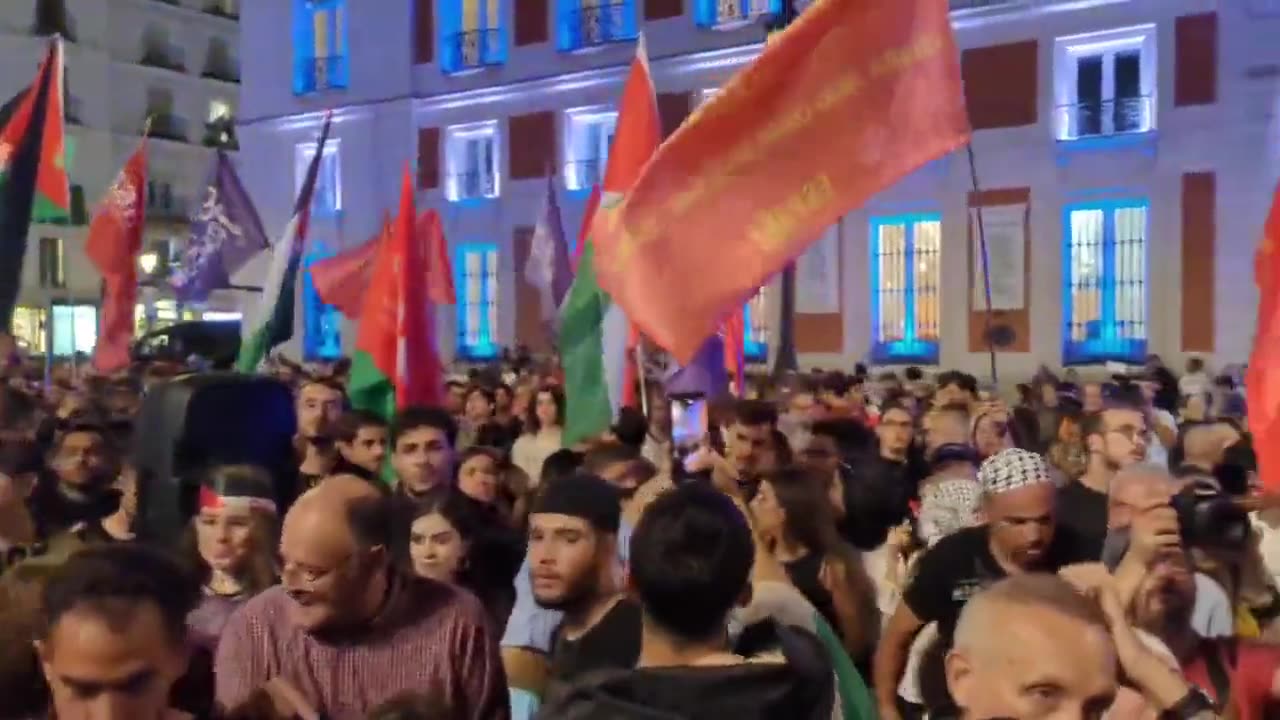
(1020, 535)
(1115, 438)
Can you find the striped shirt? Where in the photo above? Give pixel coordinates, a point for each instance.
(430, 638)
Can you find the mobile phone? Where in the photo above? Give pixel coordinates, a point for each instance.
(688, 420)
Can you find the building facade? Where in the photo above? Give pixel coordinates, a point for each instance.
(1123, 159)
(173, 63)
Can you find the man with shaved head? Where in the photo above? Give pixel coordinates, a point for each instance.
(347, 630)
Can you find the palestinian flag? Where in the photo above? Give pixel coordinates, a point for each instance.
(396, 364)
(272, 323)
(33, 176)
(596, 340)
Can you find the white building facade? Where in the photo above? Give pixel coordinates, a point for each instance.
(173, 61)
(1125, 154)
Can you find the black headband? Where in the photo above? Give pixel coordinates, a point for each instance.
(583, 496)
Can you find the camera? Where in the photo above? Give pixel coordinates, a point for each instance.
(1211, 519)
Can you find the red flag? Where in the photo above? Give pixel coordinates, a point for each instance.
(341, 280)
(115, 239)
(851, 98)
(1262, 379)
(439, 268)
(735, 338)
(593, 203)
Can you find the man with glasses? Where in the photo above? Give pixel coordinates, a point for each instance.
(346, 631)
(1115, 438)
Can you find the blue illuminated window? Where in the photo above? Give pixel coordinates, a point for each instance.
(582, 24)
(588, 137)
(476, 281)
(906, 274)
(319, 46)
(473, 34)
(1104, 282)
(755, 321)
(726, 14)
(326, 199)
(321, 324)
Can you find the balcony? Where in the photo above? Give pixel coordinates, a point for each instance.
(163, 206)
(52, 18)
(167, 126)
(590, 27)
(1105, 118)
(473, 50)
(472, 186)
(221, 73)
(161, 58)
(584, 174)
(219, 8)
(221, 134)
(317, 74)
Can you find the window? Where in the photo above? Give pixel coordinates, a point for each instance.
(53, 267)
(219, 109)
(588, 135)
(729, 14)
(1104, 300)
(29, 329)
(585, 24)
(321, 323)
(476, 279)
(471, 154)
(473, 34)
(755, 321)
(319, 45)
(906, 272)
(75, 329)
(1105, 83)
(327, 198)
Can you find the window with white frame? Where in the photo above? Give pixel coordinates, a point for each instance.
(471, 157)
(326, 201)
(728, 14)
(476, 278)
(906, 279)
(1105, 83)
(588, 136)
(1105, 279)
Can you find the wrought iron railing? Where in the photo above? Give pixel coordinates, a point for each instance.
(221, 134)
(324, 73)
(475, 49)
(167, 126)
(596, 25)
(1095, 118)
(221, 71)
(160, 58)
(473, 185)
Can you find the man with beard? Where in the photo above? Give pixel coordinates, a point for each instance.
(1019, 536)
(347, 631)
(77, 489)
(320, 403)
(1115, 438)
(422, 451)
(573, 537)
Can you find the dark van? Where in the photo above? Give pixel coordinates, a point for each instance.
(215, 341)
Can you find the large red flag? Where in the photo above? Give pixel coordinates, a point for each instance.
(439, 268)
(341, 280)
(1262, 380)
(735, 338)
(848, 100)
(115, 239)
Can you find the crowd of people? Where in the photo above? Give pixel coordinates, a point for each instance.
(842, 545)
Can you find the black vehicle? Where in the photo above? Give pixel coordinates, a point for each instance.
(214, 341)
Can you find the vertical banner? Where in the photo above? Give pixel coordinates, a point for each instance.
(1005, 227)
(818, 275)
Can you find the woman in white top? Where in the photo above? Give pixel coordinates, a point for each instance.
(541, 432)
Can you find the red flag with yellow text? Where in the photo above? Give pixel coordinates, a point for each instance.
(1262, 380)
(851, 98)
(115, 239)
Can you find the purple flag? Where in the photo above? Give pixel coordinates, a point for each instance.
(705, 374)
(548, 265)
(225, 233)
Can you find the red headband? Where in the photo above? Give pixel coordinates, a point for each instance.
(210, 500)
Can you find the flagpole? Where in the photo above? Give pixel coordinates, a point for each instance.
(785, 360)
(986, 269)
(640, 375)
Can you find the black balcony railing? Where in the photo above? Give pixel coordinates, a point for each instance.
(1094, 118)
(316, 74)
(157, 58)
(602, 24)
(218, 9)
(473, 185)
(475, 49)
(222, 73)
(221, 134)
(583, 174)
(166, 126)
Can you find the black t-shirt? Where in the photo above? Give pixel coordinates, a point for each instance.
(612, 643)
(961, 564)
(1084, 511)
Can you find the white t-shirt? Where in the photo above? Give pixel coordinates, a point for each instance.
(1156, 451)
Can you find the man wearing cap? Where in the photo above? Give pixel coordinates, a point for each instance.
(1019, 536)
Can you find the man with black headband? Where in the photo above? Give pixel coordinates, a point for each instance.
(573, 536)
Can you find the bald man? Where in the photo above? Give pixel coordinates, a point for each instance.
(1204, 445)
(347, 630)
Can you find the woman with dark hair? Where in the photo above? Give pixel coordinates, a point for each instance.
(230, 545)
(541, 435)
(795, 519)
(446, 540)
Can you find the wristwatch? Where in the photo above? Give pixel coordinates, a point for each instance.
(1195, 704)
